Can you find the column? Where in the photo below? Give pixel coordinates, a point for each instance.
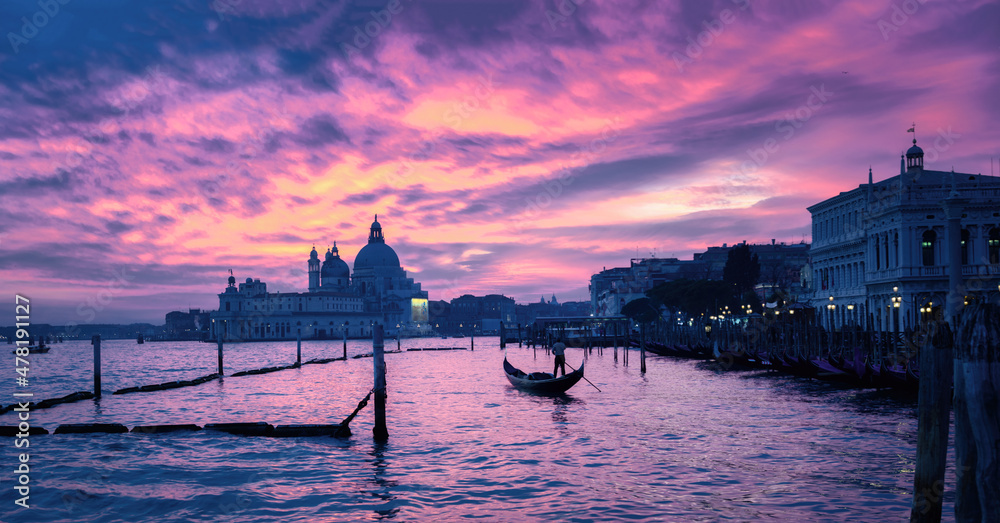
(953, 246)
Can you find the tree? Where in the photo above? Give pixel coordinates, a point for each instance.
(693, 297)
(742, 269)
(641, 310)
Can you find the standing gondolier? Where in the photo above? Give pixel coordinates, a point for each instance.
(559, 349)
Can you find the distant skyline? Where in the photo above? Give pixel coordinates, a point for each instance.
(507, 147)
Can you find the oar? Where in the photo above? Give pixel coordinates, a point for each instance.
(585, 379)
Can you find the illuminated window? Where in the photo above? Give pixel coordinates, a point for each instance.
(965, 246)
(927, 247)
(993, 246)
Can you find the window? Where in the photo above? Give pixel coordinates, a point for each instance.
(878, 255)
(927, 247)
(227, 306)
(886, 243)
(993, 246)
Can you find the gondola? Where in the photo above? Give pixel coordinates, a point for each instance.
(544, 385)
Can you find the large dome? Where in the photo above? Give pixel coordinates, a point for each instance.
(376, 255)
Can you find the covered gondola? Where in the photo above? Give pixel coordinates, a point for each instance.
(541, 382)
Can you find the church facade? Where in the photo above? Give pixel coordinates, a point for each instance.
(879, 252)
(336, 304)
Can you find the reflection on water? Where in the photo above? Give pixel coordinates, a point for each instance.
(675, 443)
(382, 488)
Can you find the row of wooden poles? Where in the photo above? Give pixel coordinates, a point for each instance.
(379, 430)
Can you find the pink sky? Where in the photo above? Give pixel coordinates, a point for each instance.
(505, 147)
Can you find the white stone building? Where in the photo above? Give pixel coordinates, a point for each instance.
(878, 251)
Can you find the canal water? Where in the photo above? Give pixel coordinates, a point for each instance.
(678, 443)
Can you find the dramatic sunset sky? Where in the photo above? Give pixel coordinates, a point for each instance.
(507, 146)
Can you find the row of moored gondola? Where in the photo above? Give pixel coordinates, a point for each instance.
(858, 372)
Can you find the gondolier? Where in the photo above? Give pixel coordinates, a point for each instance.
(559, 349)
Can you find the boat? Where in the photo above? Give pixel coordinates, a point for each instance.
(140, 340)
(541, 382)
(34, 349)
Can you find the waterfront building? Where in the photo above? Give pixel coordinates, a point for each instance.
(879, 255)
(781, 265)
(337, 303)
(191, 325)
(479, 314)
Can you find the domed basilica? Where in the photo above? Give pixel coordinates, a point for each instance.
(336, 304)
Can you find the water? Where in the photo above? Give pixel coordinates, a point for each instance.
(678, 443)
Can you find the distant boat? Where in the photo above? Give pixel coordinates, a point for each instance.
(32, 349)
(541, 382)
(140, 340)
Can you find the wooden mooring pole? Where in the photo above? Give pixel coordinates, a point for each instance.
(96, 341)
(503, 337)
(519, 335)
(642, 349)
(379, 431)
(345, 343)
(977, 419)
(298, 348)
(932, 424)
(219, 341)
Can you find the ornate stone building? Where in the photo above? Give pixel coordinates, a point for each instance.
(335, 304)
(879, 255)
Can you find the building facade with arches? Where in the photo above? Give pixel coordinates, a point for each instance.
(879, 256)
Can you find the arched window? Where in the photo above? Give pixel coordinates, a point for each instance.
(895, 248)
(927, 247)
(993, 246)
(965, 246)
(886, 244)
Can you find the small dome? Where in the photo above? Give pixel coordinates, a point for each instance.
(249, 280)
(313, 254)
(335, 268)
(915, 150)
(232, 280)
